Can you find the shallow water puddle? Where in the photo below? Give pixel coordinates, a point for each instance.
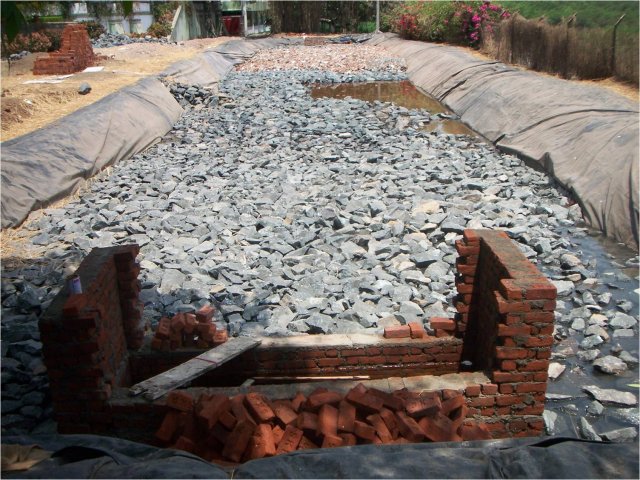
(403, 94)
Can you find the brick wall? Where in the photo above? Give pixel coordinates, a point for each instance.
(505, 319)
(75, 53)
(86, 336)
(504, 327)
(320, 355)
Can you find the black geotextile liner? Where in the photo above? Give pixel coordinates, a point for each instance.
(211, 66)
(93, 456)
(46, 165)
(585, 137)
(90, 456)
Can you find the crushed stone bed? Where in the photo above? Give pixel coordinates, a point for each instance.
(296, 215)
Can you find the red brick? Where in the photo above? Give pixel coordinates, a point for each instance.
(205, 314)
(262, 443)
(238, 408)
(416, 329)
(535, 365)
(284, 413)
(190, 323)
(297, 401)
(446, 324)
(258, 407)
(458, 416)
(169, 427)
(401, 331)
(220, 337)
(290, 440)
(227, 420)
(346, 416)
(506, 377)
(489, 388)
(481, 402)
(328, 420)
(366, 402)
(348, 439)
(511, 331)
(422, 406)
(212, 409)
(316, 400)
(364, 431)
(531, 387)
(539, 317)
(438, 428)
(178, 322)
(472, 391)
(511, 289)
(390, 421)
(543, 290)
(277, 433)
(388, 400)
(164, 328)
(511, 353)
(306, 444)
(184, 443)
(332, 441)
(409, 428)
(382, 430)
(544, 341)
(475, 431)
(180, 400)
(307, 421)
(238, 440)
(452, 403)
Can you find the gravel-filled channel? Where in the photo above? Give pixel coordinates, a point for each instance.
(297, 215)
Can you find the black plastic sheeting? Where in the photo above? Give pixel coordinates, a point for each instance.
(46, 165)
(90, 456)
(211, 66)
(585, 137)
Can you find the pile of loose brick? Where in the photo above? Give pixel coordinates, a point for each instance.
(250, 426)
(75, 53)
(188, 330)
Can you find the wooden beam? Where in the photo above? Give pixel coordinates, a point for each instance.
(156, 387)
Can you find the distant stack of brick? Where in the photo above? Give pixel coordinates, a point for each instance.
(188, 330)
(75, 53)
(245, 427)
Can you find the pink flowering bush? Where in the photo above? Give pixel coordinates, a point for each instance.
(459, 22)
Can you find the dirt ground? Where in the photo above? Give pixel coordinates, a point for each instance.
(26, 108)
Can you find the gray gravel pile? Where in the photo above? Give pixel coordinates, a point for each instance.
(303, 216)
(106, 40)
(191, 94)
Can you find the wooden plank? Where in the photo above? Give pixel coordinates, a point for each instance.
(157, 386)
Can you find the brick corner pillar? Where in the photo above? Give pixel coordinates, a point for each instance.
(505, 318)
(85, 339)
(129, 291)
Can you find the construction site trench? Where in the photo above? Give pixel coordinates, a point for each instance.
(305, 220)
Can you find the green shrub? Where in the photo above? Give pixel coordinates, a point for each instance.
(35, 42)
(159, 30)
(94, 29)
(55, 39)
(454, 22)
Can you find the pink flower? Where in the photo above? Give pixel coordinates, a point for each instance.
(475, 18)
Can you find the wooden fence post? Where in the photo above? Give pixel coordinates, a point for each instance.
(613, 46)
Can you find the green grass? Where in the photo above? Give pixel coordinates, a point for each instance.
(366, 27)
(590, 14)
